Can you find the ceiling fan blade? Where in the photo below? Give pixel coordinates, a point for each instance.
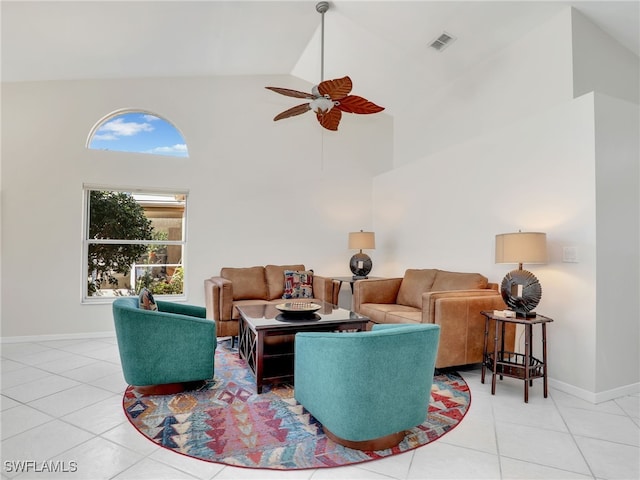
(336, 89)
(293, 111)
(330, 120)
(290, 93)
(356, 104)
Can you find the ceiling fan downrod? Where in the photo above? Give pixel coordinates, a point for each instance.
(321, 8)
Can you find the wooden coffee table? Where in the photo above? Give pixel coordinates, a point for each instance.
(266, 337)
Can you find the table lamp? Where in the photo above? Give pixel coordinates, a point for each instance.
(520, 288)
(361, 263)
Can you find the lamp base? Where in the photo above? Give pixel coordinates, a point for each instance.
(360, 265)
(522, 292)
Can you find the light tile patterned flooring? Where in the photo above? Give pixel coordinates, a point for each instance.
(61, 401)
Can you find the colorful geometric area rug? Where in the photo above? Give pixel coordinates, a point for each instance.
(225, 421)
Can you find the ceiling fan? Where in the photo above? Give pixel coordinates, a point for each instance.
(329, 98)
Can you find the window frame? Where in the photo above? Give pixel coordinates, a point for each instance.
(86, 241)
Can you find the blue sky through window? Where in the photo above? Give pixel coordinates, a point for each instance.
(141, 133)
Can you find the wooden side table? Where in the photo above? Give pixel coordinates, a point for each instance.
(510, 364)
(351, 281)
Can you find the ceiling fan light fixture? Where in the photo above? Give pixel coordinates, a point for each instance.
(321, 105)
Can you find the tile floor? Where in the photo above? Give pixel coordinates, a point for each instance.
(61, 401)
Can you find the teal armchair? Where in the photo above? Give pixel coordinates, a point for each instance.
(164, 351)
(367, 388)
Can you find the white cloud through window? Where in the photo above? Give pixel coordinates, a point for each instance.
(118, 127)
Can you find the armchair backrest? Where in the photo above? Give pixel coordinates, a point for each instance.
(385, 374)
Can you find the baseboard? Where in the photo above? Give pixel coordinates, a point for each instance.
(57, 336)
(595, 397)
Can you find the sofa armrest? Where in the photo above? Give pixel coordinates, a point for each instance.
(488, 299)
(322, 288)
(218, 293)
(336, 291)
(375, 290)
(458, 314)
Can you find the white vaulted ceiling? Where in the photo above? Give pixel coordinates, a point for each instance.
(51, 40)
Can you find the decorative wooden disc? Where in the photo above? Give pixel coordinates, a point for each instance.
(531, 290)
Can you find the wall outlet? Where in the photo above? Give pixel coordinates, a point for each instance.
(570, 254)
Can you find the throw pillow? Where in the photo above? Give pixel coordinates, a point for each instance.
(147, 301)
(298, 284)
(274, 275)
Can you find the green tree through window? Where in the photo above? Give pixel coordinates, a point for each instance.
(114, 215)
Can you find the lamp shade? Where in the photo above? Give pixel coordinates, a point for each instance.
(362, 240)
(521, 247)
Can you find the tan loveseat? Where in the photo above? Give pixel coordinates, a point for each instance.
(452, 300)
(255, 286)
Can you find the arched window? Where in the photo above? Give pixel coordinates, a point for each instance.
(137, 131)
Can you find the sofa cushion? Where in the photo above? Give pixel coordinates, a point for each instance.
(248, 283)
(275, 278)
(458, 281)
(414, 316)
(414, 284)
(146, 300)
(298, 284)
(378, 312)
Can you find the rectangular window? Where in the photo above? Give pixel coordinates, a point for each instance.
(133, 239)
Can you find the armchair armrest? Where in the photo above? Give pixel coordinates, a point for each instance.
(182, 309)
(375, 290)
(218, 293)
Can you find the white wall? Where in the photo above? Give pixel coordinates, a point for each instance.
(507, 148)
(618, 236)
(529, 76)
(600, 63)
(536, 175)
(259, 191)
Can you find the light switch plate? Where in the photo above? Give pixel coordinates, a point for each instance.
(570, 254)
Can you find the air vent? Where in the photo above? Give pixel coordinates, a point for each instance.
(443, 41)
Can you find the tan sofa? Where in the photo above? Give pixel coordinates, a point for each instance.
(452, 300)
(254, 286)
